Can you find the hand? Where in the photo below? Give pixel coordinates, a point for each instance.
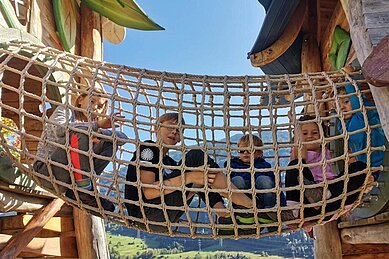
(198, 177)
(107, 123)
(195, 177)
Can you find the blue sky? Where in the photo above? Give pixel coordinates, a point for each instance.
(201, 37)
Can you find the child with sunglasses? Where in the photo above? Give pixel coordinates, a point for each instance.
(263, 180)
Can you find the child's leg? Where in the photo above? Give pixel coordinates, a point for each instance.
(104, 148)
(60, 174)
(268, 199)
(196, 158)
(354, 183)
(80, 141)
(292, 177)
(239, 182)
(80, 162)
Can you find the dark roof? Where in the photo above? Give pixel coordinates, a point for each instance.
(278, 15)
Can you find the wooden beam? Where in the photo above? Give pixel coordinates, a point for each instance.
(373, 234)
(368, 256)
(363, 48)
(55, 227)
(284, 42)
(18, 242)
(35, 192)
(363, 249)
(65, 247)
(327, 241)
(380, 218)
(89, 229)
(10, 201)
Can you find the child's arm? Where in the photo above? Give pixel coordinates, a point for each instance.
(220, 182)
(194, 177)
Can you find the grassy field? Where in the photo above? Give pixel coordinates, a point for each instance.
(127, 247)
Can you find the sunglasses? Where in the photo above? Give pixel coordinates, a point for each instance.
(244, 151)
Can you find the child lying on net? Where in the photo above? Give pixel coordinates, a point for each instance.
(56, 130)
(312, 153)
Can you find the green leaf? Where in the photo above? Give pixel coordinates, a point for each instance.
(126, 13)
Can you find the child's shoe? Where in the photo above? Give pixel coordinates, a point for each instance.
(313, 195)
(286, 215)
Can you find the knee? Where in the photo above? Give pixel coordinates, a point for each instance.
(264, 182)
(196, 157)
(239, 182)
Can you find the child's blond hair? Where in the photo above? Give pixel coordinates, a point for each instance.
(245, 141)
(170, 116)
(100, 92)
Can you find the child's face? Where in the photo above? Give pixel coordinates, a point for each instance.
(245, 155)
(169, 135)
(97, 105)
(345, 106)
(310, 132)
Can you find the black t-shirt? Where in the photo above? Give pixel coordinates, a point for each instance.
(149, 156)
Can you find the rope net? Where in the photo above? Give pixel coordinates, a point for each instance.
(218, 111)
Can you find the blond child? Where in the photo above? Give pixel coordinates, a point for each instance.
(65, 123)
(149, 155)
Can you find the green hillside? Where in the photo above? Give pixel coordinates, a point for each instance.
(131, 247)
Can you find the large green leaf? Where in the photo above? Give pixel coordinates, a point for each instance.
(65, 21)
(123, 12)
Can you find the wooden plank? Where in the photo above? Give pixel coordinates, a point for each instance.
(373, 234)
(284, 42)
(374, 6)
(35, 192)
(368, 256)
(64, 247)
(327, 241)
(377, 20)
(18, 242)
(10, 201)
(363, 249)
(363, 48)
(55, 224)
(381, 218)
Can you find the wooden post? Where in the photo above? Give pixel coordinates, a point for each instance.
(19, 241)
(90, 233)
(327, 241)
(363, 48)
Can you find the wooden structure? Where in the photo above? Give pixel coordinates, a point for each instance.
(39, 224)
(363, 234)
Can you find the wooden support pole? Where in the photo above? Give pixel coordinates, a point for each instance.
(327, 241)
(90, 232)
(374, 234)
(19, 241)
(363, 47)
